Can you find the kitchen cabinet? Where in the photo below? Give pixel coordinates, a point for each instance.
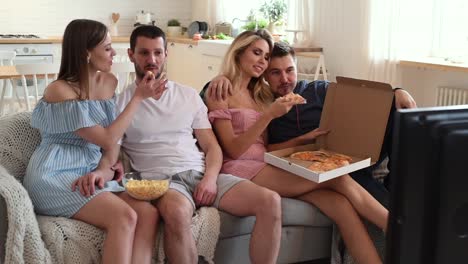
(210, 66)
(183, 64)
(212, 53)
(120, 48)
(57, 52)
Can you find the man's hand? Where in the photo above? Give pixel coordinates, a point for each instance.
(87, 184)
(159, 86)
(205, 192)
(118, 171)
(404, 100)
(219, 88)
(312, 135)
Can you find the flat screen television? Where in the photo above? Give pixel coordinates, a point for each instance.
(428, 220)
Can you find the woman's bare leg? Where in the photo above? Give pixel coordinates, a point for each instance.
(353, 231)
(145, 232)
(247, 198)
(366, 205)
(107, 211)
(291, 185)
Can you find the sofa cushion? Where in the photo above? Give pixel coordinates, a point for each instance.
(294, 213)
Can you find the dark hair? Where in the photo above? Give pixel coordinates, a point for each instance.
(281, 49)
(80, 36)
(148, 31)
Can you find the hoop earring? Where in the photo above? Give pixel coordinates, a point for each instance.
(88, 59)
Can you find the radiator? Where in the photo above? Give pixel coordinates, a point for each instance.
(451, 96)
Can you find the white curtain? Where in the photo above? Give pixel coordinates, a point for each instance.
(299, 18)
(340, 27)
(398, 29)
(384, 31)
(405, 29)
(366, 38)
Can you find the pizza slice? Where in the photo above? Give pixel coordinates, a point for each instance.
(322, 160)
(296, 98)
(319, 166)
(316, 155)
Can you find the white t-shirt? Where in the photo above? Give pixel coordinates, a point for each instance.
(160, 137)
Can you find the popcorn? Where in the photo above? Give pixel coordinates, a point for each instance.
(146, 189)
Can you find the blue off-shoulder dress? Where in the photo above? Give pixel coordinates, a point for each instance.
(63, 156)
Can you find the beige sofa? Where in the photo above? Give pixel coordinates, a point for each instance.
(306, 233)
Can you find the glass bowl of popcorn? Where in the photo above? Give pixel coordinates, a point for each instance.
(145, 186)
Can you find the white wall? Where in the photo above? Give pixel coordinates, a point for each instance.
(49, 17)
(422, 83)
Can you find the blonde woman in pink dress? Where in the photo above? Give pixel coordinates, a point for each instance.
(240, 121)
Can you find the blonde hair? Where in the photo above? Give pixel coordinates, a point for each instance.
(231, 67)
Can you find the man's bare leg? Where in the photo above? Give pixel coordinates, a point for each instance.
(176, 211)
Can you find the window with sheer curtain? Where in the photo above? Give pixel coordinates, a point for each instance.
(299, 20)
(215, 11)
(240, 8)
(417, 27)
(422, 27)
(406, 29)
(453, 36)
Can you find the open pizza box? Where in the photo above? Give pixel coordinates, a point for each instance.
(356, 113)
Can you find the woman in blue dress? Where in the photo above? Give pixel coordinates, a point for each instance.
(71, 172)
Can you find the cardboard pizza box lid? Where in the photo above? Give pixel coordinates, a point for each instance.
(356, 113)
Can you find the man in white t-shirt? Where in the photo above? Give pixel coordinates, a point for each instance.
(171, 135)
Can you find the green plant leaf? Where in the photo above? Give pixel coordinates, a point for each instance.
(173, 23)
(274, 10)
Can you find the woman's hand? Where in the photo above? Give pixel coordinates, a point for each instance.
(281, 106)
(151, 87)
(87, 184)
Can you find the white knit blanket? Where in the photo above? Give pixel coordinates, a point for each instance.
(24, 243)
(45, 239)
(71, 241)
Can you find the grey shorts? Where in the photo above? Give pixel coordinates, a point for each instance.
(186, 181)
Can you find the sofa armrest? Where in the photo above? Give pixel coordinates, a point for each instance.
(3, 228)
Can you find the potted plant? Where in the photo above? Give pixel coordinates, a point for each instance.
(254, 22)
(274, 11)
(252, 25)
(173, 28)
